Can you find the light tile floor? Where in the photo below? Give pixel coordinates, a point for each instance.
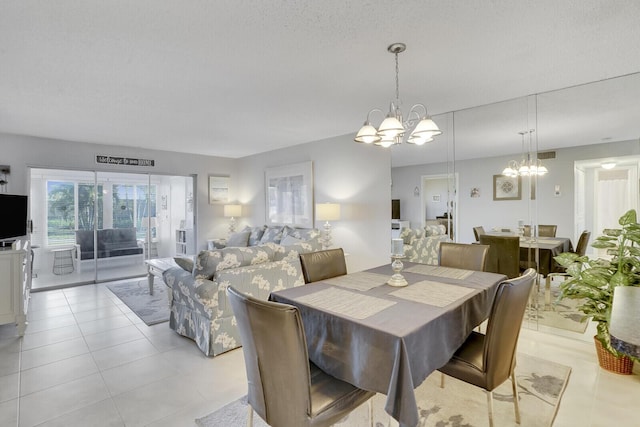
(87, 360)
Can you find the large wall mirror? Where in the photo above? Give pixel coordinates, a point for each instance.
(575, 132)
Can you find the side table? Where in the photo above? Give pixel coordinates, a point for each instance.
(63, 260)
(155, 268)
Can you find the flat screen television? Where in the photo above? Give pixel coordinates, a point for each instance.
(14, 216)
(395, 208)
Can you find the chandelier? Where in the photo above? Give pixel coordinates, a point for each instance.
(526, 166)
(393, 128)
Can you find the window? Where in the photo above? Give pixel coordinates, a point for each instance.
(60, 212)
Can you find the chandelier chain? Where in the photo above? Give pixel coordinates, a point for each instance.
(397, 78)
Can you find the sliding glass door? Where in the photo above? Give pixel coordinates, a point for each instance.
(98, 226)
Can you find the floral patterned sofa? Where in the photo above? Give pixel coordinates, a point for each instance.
(199, 306)
(422, 244)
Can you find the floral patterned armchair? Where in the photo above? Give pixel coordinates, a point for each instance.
(422, 245)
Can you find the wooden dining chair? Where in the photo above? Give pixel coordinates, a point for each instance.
(323, 265)
(504, 254)
(547, 230)
(464, 256)
(477, 231)
(285, 388)
(488, 360)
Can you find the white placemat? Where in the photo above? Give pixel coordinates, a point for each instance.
(346, 303)
(433, 293)
(361, 281)
(434, 270)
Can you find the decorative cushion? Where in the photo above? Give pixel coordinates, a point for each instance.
(209, 262)
(255, 234)
(408, 235)
(272, 234)
(289, 240)
(294, 250)
(434, 230)
(239, 239)
(185, 263)
(301, 233)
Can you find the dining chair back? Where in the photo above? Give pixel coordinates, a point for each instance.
(488, 360)
(543, 230)
(284, 388)
(504, 254)
(547, 230)
(464, 256)
(477, 231)
(581, 247)
(323, 265)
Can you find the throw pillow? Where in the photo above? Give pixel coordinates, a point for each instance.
(238, 240)
(273, 234)
(289, 240)
(256, 234)
(185, 263)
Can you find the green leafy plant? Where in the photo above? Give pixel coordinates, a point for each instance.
(593, 280)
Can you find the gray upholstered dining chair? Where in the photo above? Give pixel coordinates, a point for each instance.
(322, 265)
(543, 230)
(285, 388)
(488, 360)
(504, 254)
(477, 232)
(464, 256)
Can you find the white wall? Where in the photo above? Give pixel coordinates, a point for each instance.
(357, 176)
(489, 213)
(21, 152)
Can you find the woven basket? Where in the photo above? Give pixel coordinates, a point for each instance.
(619, 365)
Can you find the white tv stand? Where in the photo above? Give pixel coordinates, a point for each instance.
(15, 283)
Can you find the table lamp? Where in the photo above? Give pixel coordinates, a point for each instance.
(327, 212)
(232, 211)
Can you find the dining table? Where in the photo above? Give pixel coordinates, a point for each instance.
(389, 339)
(548, 247)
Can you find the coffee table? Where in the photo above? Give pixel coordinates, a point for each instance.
(157, 266)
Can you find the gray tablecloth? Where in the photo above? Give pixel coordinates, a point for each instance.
(394, 348)
(548, 247)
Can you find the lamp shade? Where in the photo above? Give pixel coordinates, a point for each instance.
(327, 211)
(426, 128)
(231, 211)
(367, 134)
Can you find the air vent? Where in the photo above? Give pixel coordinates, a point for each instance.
(547, 155)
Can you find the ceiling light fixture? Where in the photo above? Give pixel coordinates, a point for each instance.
(393, 128)
(527, 166)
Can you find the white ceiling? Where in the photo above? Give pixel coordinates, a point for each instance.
(237, 77)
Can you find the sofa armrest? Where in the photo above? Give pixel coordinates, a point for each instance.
(258, 280)
(200, 294)
(425, 250)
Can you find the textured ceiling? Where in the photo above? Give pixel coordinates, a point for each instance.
(234, 78)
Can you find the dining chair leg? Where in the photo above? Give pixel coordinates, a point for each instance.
(441, 380)
(250, 416)
(490, 407)
(516, 399)
(370, 412)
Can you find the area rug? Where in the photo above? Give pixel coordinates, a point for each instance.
(151, 309)
(562, 314)
(541, 385)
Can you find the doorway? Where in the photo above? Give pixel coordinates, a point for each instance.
(605, 189)
(439, 201)
(91, 227)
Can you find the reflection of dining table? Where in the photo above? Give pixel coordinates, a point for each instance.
(387, 339)
(548, 248)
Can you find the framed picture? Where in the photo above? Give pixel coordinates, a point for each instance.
(507, 188)
(475, 192)
(289, 195)
(218, 189)
(435, 198)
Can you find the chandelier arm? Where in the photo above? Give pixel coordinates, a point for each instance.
(411, 121)
(372, 111)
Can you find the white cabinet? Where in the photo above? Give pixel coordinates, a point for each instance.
(397, 225)
(184, 241)
(15, 284)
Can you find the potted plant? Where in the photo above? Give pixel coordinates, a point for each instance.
(593, 280)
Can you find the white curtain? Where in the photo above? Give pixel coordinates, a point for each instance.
(612, 198)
